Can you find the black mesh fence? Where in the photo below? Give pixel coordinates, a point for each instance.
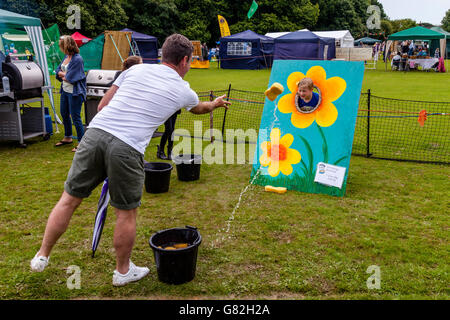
(385, 128)
(243, 117)
(403, 129)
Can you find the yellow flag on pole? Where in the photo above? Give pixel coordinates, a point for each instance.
(224, 30)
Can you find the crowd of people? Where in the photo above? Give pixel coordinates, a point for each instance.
(408, 49)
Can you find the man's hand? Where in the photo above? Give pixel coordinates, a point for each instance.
(220, 102)
(208, 106)
(61, 74)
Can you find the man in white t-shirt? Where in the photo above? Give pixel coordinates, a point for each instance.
(140, 100)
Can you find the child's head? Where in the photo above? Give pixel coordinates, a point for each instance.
(131, 61)
(305, 88)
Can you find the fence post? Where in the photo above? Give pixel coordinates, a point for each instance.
(211, 117)
(368, 124)
(225, 114)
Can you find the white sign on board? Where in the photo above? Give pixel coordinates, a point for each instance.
(330, 175)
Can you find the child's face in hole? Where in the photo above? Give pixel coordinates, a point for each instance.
(305, 92)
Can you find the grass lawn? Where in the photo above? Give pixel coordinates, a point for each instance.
(291, 246)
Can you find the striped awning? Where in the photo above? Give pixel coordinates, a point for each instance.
(35, 34)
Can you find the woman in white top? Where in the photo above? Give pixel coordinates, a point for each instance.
(73, 89)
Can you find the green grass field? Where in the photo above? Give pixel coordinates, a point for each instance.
(292, 246)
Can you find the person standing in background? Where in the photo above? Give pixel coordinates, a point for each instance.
(73, 89)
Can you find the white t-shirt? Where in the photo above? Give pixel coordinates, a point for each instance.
(66, 85)
(147, 96)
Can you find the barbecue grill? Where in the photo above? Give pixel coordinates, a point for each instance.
(97, 83)
(26, 82)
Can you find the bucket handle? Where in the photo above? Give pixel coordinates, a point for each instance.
(195, 229)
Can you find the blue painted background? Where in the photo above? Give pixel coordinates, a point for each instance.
(339, 136)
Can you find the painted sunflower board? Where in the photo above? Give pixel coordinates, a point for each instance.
(293, 140)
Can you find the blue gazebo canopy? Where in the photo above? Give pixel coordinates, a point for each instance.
(304, 45)
(147, 45)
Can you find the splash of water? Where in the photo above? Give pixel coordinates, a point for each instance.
(226, 231)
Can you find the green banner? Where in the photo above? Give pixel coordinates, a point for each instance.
(252, 9)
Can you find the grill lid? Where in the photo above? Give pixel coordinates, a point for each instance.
(23, 74)
(101, 78)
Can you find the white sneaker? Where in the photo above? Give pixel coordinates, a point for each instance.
(134, 274)
(38, 263)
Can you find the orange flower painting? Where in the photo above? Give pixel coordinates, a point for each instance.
(277, 155)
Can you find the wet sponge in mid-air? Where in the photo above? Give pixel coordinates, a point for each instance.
(274, 91)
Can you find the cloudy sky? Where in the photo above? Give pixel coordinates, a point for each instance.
(432, 11)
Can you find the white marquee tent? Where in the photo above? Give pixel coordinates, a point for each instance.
(343, 37)
(280, 34)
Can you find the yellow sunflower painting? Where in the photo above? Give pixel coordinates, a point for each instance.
(330, 89)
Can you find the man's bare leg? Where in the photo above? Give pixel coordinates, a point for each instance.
(58, 221)
(124, 236)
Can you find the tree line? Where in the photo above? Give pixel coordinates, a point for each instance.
(198, 19)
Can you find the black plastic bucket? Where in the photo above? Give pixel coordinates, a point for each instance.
(188, 166)
(157, 176)
(176, 266)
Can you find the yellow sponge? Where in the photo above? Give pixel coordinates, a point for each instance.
(275, 189)
(273, 92)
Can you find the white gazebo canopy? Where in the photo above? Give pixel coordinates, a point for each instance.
(343, 37)
(275, 34)
(280, 34)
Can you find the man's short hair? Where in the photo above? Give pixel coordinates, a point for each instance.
(175, 48)
(306, 82)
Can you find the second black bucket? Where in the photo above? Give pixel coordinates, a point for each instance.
(176, 266)
(188, 166)
(157, 176)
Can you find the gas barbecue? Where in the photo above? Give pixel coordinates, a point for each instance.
(97, 83)
(26, 84)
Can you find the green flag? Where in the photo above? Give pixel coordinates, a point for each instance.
(252, 9)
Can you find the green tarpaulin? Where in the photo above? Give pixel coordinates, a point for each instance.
(416, 33)
(51, 41)
(92, 53)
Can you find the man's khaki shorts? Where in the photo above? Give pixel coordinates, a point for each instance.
(100, 155)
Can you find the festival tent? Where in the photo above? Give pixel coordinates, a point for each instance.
(417, 33)
(304, 45)
(343, 38)
(246, 50)
(366, 40)
(14, 21)
(276, 34)
(436, 38)
(144, 45)
(80, 39)
(279, 34)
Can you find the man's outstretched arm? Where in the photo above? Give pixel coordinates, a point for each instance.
(208, 106)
